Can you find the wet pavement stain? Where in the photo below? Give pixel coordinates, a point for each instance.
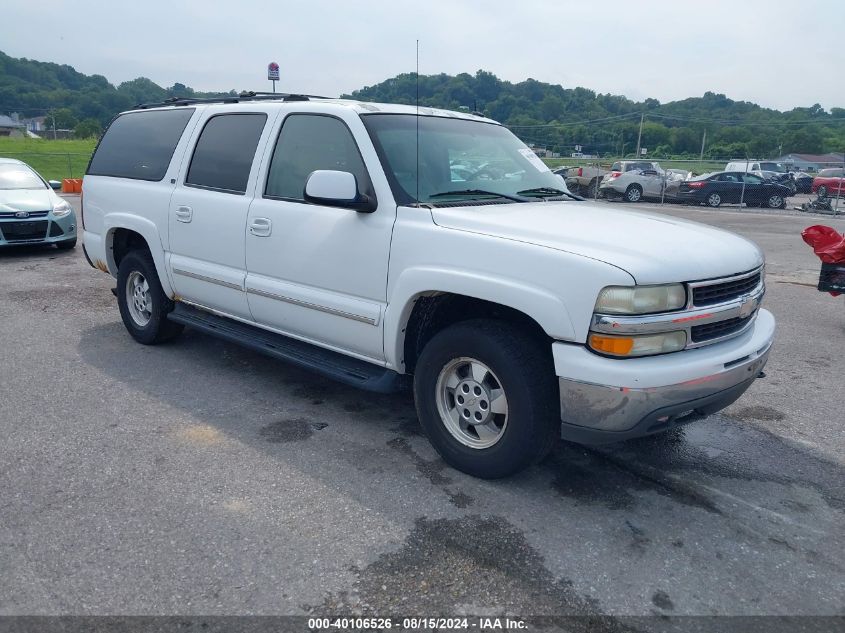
(430, 469)
(292, 430)
(465, 566)
(760, 412)
(662, 600)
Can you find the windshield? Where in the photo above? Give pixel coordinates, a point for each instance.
(465, 159)
(15, 176)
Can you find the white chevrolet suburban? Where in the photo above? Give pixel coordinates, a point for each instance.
(335, 235)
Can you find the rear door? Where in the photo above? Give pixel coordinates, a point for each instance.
(728, 185)
(209, 207)
(757, 190)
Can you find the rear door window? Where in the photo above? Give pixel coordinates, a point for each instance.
(224, 152)
(139, 145)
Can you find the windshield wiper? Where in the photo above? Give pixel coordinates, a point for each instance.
(478, 192)
(544, 192)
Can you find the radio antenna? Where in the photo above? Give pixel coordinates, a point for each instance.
(418, 122)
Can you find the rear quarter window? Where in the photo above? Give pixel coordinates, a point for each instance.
(140, 145)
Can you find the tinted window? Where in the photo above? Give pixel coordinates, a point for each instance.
(728, 178)
(309, 142)
(224, 152)
(17, 176)
(139, 145)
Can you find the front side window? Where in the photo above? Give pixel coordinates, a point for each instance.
(16, 176)
(224, 153)
(311, 142)
(140, 145)
(459, 159)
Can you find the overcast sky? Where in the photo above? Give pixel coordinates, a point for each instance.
(777, 54)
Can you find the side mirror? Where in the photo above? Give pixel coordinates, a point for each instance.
(337, 189)
(55, 185)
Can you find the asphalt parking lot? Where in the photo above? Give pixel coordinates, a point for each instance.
(200, 478)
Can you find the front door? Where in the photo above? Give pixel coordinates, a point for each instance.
(208, 212)
(316, 272)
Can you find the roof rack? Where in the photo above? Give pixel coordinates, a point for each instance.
(243, 96)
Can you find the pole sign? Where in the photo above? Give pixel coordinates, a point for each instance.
(273, 71)
(643, 151)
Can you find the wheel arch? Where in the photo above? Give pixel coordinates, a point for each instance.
(418, 311)
(127, 233)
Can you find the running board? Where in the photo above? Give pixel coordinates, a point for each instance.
(340, 367)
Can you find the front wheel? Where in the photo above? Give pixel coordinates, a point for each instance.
(143, 304)
(487, 397)
(714, 200)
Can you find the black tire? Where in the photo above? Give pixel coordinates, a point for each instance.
(713, 199)
(158, 328)
(634, 193)
(66, 244)
(822, 191)
(524, 370)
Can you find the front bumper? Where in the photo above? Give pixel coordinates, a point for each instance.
(37, 229)
(606, 400)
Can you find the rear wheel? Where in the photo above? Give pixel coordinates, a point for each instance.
(487, 397)
(143, 304)
(714, 200)
(633, 193)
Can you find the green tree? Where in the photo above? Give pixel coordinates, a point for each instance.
(89, 128)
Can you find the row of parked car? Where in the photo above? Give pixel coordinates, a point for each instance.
(755, 183)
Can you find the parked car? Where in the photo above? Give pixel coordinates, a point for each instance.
(302, 228)
(585, 180)
(30, 211)
(732, 186)
(634, 180)
(803, 182)
(828, 182)
(785, 179)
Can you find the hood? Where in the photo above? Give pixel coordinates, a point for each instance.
(653, 248)
(25, 200)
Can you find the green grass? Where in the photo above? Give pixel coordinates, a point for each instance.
(54, 160)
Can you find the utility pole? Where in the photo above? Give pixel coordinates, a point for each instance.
(703, 141)
(640, 135)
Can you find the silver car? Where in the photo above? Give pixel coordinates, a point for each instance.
(633, 180)
(30, 211)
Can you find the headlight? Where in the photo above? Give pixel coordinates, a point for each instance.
(647, 345)
(641, 299)
(61, 209)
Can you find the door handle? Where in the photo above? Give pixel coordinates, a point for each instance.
(184, 214)
(260, 227)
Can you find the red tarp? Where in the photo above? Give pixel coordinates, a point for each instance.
(827, 243)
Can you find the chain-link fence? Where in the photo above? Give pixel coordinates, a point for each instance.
(667, 181)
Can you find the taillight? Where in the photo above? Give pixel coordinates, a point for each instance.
(615, 174)
(695, 185)
(580, 171)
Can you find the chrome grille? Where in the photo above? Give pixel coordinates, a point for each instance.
(722, 292)
(710, 331)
